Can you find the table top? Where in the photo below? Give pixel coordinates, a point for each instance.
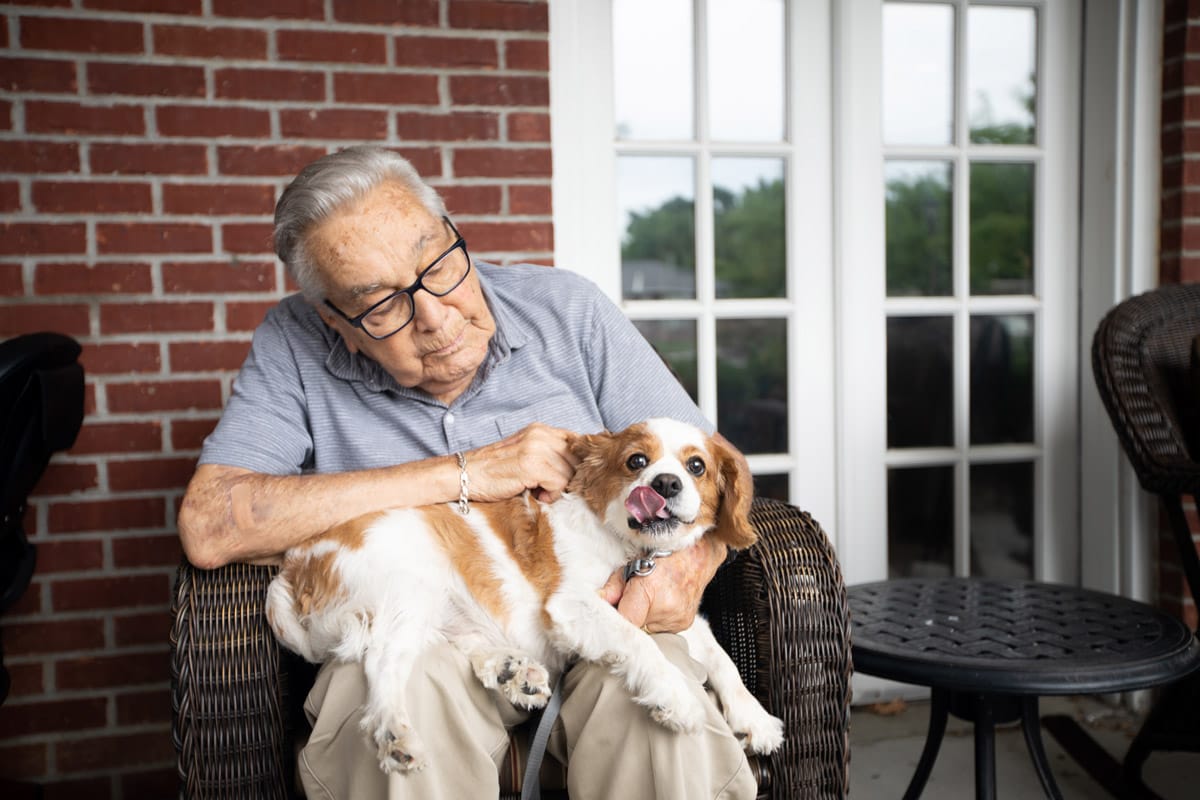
(1014, 637)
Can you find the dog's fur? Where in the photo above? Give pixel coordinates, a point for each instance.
(514, 585)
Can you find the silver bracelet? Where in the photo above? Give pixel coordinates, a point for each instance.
(464, 484)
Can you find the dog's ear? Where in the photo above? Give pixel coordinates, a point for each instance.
(589, 451)
(737, 491)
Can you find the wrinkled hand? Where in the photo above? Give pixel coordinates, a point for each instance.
(666, 600)
(536, 457)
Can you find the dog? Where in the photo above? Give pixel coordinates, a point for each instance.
(514, 585)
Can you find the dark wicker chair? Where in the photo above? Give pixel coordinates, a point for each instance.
(779, 609)
(1149, 379)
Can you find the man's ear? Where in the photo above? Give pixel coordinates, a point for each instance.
(737, 492)
(337, 325)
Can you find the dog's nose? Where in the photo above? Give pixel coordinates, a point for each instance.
(666, 484)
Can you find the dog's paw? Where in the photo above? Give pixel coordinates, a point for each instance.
(675, 707)
(399, 749)
(760, 732)
(521, 679)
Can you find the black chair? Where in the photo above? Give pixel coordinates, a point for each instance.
(41, 409)
(1146, 362)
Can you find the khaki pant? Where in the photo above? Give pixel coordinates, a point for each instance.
(612, 747)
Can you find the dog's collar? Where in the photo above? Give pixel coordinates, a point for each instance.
(644, 564)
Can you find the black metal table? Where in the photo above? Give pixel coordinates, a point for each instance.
(989, 648)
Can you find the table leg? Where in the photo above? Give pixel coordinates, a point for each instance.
(1031, 725)
(939, 710)
(985, 749)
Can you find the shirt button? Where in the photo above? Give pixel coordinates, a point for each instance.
(449, 418)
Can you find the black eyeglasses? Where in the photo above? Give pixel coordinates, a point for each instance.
(393, 312)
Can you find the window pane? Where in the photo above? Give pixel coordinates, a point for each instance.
(920, 390)
(745, 69)
(1001, 228)
(656, 199)
(652, 69)
(752, 384)
(749, 236)
(675, 341)
(918, 73)
(920, 522)
(773, 486)
(919, 228)
(1001, 74)
(1002, 520)
(1001, 379)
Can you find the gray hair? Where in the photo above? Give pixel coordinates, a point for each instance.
(328, 184)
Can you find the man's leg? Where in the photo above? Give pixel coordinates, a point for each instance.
(461, 723)
(613, 748)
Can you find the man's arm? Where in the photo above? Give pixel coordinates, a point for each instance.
(233, 514)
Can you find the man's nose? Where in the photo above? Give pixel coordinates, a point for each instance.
(429, 312)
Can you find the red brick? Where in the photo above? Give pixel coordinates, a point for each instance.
(92, 753)
(218, 199)
(29, 603)
(518, 236)
(81, 35)
(189, 434)
(119, 358)
(246, 316)
(72, 320)
(471, 199)
(223, 277)
(155, 317)
(427, 161)
(207, 356)
(446, 51)
(385, 88)
(530, 200)
(153, 551)
(12, 280)
(29, 238)
(279, 9)
(27, 680)
(145, 79)
(118, 437)
(210, 42)
(19, 761)
(358, 124)
(107, 515)
(248, 237)
(150, 473)
(95, 788)
(86, 196)
(89, 594)
(70, 555)
(6, 120)
(496, 162)
(136, 708)
(524, 127)
(461, 126)
(387, 12)
(212, 121)
(488, 90)
(163, 396)
(147, 6)
(38, 75)
(510, 16)
(25, 719)
(39, 157)
(51, 636)
(65, 478)
(144, 159)
(331, 46)
(527, 54)
(151, 627)
(153, 237)
(43, 116)
(266, 159)
(106, 278)
(10, 196)
(269, 84)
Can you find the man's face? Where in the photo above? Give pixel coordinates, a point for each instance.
(380, 244)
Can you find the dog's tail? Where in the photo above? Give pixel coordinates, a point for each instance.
(282, 617)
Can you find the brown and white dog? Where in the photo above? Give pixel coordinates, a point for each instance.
(514, 585)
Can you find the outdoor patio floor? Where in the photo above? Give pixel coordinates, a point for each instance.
(884, 750)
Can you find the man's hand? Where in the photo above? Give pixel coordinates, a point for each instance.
(537, 457)
(666, 600)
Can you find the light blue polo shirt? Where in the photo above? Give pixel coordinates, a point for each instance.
(563, 354)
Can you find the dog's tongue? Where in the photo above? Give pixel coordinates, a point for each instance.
(644, 503)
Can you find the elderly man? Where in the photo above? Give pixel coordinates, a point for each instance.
(358, 395)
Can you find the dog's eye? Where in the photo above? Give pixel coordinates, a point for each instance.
(637, 461)
(695, 466)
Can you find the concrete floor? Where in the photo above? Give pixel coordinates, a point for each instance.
(886, 743)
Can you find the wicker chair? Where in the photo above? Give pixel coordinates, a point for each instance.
(1149, 379)
(780, 610)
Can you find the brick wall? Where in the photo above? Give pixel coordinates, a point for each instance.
(142, 145)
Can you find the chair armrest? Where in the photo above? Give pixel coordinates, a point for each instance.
(227, 686)
(780, 611)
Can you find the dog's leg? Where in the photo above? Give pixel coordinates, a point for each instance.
(586, 625)
(514, 673)
(388, 663)
(760, 732)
